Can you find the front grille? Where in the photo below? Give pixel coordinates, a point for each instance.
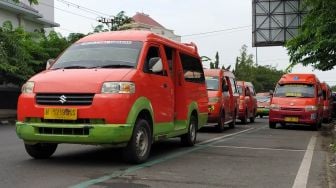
(59, 99)
(292, 109)
(77, 121)
(64, 131)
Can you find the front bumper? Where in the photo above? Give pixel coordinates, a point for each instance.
(279, 116)
(262, 111)
(95, 134)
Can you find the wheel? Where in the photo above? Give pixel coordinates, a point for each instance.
(233, 123)
(189, 139)
(244, 120)
(221, 120)
(138, 148)
(41, 150)
(272, 125)
(261, 116)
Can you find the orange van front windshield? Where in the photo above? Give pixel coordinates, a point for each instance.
(101, 54)
(295, 90)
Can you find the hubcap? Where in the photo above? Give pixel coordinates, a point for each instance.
(141, 142)
(192, 130)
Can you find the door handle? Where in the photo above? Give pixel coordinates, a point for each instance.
(164, 86)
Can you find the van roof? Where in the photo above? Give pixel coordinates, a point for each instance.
(137, 35)
(217, 72)
(298, 78)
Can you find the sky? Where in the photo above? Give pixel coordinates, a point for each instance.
(185, 18)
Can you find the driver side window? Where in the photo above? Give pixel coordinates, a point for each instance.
(153, 53)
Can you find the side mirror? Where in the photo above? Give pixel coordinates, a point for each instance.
(155, 65)
(225, 88)
(50, 62)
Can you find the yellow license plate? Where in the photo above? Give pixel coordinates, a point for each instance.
(60, 113)
(292, 119)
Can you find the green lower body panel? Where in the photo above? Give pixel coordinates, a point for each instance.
(95, 134)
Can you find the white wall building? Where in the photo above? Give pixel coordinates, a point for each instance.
(142, 21)
(31, 18)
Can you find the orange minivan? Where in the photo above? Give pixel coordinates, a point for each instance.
(247, 102)
(124, 89)
(223, 97)
(297, 99)
(327, 102)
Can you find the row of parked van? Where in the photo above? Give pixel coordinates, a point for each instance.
(229, 99)
(131, 88)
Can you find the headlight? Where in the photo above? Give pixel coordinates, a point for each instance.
(274, 107)
(310, 108)
(28, 87)
(118, 87)
(213, 99)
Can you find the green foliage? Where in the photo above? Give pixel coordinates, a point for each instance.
(263, 78)
(316, 43)
(22, 54)
(120, 22)
(35, 2)
(213, 64)
(333, 88)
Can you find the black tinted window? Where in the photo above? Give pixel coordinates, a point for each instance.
(192, 69)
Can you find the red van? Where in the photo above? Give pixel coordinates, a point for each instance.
(125, 89)
(247, 102)
(223, 97)
(327, 102)
(297, 99)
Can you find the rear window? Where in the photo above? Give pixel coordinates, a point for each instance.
(240, 89)
(295, 90)
(212, 83)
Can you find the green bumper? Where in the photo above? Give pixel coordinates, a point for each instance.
(263, 111)
(95, 134)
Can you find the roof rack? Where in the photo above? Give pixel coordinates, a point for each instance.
(191, 44)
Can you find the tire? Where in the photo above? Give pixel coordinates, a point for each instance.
(138, 148)
(272, 125)
(41, 150)
(233, 123)
(261, 116)
(244, 120)
(252, 119)
(221, 120)
(189, 139)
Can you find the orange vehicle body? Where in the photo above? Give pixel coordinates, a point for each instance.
(327, 102)
(90, 95)
(297, 99)
(247, 102)
(223, 97)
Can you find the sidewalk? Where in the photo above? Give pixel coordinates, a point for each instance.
(7, 116)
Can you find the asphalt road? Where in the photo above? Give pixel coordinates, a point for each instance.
(248, 156)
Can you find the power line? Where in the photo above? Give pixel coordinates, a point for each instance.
(89, 18)
(217, 31)
(95, 12)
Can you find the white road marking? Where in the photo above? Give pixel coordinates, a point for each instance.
(301, 179)
(253, 148)
(221, 137)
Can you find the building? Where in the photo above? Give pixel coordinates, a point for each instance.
(31, 18)
(143, 21)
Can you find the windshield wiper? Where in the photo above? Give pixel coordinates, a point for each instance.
(73, 67)
(113, 66)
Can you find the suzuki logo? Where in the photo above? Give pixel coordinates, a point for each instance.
(62, 99)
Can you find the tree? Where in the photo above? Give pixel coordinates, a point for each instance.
(316, 42)
(263, 77)
(119, 22)
(213, 64)
(35, 2)
(216, 63)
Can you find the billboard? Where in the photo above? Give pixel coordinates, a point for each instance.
(275, 21)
